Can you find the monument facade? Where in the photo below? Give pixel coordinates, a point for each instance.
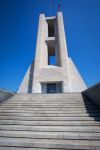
(52, 70)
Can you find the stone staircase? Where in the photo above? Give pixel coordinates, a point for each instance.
(49, 121)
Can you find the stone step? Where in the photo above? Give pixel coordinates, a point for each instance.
(48, 108)
(21, 148)
(49, 111)
(95, 129)
(33, 118)
(50, 123)
(43, 114)
(50, 99)
(46, 105)
(51, 96)
(51, 135)
(45, 102)
(58, 95)
(72, 99)
(50, 143)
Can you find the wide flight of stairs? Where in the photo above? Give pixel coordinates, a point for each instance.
(49, 121)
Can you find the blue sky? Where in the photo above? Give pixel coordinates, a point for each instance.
(18, 30)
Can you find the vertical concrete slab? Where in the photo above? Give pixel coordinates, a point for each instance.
(38, 62)
(61, 39)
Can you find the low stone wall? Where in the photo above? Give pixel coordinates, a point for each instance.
(93, 93)
(4, 95)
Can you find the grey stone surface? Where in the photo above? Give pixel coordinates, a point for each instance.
(4, 95)
(49, 121)
(21, 148)
(93, 93)
(50, 143)
(51, 135)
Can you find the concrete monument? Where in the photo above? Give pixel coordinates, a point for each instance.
(52, 70)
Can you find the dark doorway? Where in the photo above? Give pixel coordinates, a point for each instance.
(51, 88)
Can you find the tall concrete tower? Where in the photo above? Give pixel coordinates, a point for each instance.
(52, 70)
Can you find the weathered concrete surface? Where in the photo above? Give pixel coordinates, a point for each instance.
(26, 84)
(4, 95)
(93, 93)
(76, 82)
(49, 121)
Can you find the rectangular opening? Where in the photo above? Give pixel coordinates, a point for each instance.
(51, 55)
(51, 28)
(52, 60)
(53, 87)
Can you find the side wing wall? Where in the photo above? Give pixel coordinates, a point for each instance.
(26, 84)
(76, 82)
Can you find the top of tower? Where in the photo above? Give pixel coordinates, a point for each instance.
(59, 6)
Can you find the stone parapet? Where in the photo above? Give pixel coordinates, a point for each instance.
(4, 95)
